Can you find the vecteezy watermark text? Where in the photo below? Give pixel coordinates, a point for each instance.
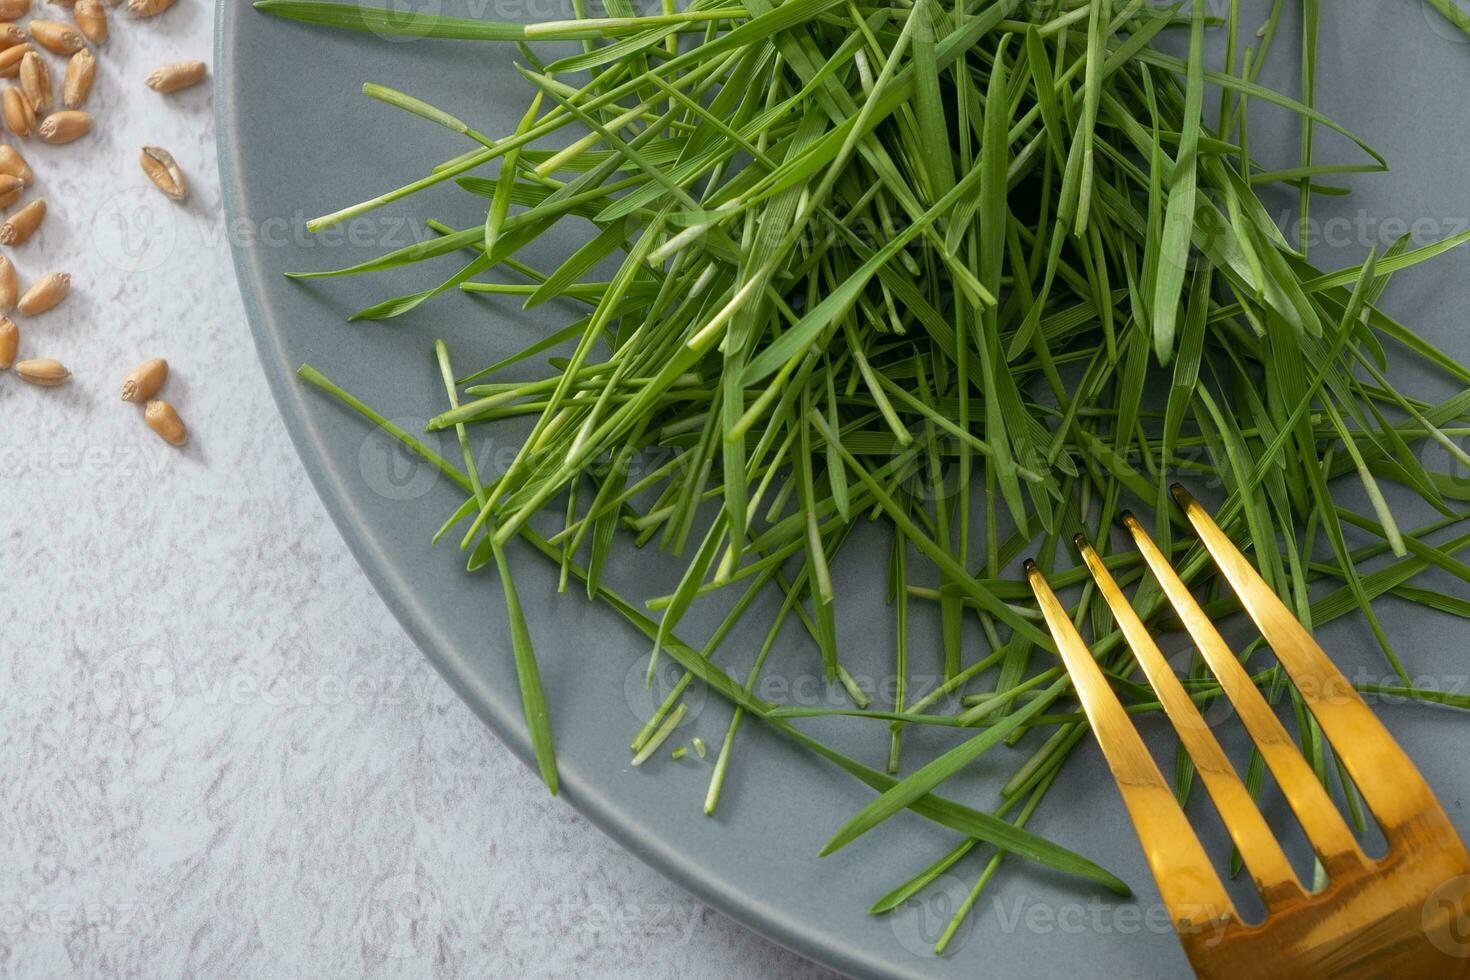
(407, 915)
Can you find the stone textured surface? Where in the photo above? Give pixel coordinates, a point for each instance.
(222, 756)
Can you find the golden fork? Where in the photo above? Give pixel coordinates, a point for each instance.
(1406, 914)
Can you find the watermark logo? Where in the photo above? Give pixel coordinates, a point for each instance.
(1446, 917)
(1448, 19)
(400, 21)
(134, 232)
(393, 471)
(401, 917)
(135, 687)
(920, 923)
(1448, 461)
(928, 465)
(643, 699)
(1188, 665)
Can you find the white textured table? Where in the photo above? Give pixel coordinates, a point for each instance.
(221, 756)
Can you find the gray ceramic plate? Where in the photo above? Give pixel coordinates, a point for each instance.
(297, 139)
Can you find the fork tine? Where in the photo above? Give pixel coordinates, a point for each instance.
(1391, 785)
(1259, 848)
(1187, 882)
(1325, 829)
